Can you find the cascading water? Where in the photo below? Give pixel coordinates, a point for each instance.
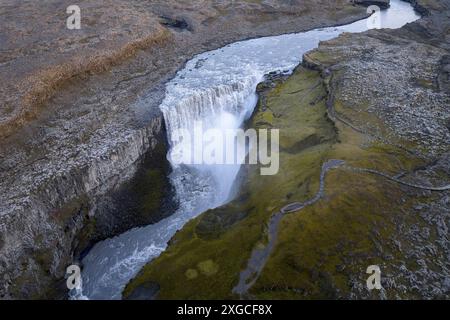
(218, 88)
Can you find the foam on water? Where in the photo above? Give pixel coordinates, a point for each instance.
(219, 88)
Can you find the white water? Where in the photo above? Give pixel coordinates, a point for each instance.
(217, 87)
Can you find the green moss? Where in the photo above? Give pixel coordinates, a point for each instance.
(149, 190)
(208, 267)
(336, 231)
(191, 274)
(149, 185)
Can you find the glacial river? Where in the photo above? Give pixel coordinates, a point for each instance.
(218, 88)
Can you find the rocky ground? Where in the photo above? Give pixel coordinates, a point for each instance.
(377, 101)
(79, 116)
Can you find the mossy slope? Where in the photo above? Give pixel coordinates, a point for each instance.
(323, 250)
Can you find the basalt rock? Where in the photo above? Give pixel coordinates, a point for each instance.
(381, 3)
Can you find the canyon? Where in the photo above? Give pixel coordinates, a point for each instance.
(84, 142)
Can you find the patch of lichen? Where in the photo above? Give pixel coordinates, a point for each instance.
(321, 249)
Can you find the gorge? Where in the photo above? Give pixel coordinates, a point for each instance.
(354, 102)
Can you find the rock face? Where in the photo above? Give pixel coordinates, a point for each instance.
(57, 213)
(380, 3)
(79, 111)
(378, 101)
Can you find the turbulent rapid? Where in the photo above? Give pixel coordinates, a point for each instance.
(218, 88)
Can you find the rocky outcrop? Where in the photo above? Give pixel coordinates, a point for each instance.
(56, 217)
(381, 3)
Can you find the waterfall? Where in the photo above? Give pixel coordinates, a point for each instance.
(222, 107)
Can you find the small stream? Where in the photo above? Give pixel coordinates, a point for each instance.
(217, 88)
